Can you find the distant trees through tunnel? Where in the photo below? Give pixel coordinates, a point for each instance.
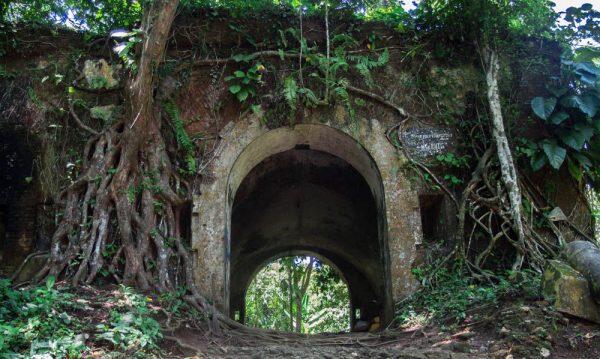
(302, 294)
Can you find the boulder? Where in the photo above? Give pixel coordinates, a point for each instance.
(31, 267)
(584, 257)
(569, 291)
(100, 74)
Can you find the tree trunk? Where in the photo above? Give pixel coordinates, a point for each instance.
(290, 292)
(301, 293)
(507, 166)
(127, 171)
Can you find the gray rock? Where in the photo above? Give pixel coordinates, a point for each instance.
(569, 291)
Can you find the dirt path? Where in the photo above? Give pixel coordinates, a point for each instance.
(515, 330)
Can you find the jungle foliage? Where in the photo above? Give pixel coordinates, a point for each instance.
(53, 322)
(300, 294)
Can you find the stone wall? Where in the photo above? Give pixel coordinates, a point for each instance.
(246, 143)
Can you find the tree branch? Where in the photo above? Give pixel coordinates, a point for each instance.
(79, 122)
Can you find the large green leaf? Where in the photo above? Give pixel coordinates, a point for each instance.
(538, 161)
(555, 153)
(543, 107)
(589, 67)
(558, 118)
(587, 104)
(558, 91)
(290, 91)
(235, 89)
(574, 170)
(574, 139)
(588, 72)
(587, 54)
(586, 130)
(242, 95)
(588, 79)
(583, 160)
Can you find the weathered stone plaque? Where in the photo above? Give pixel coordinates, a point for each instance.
(426, 141)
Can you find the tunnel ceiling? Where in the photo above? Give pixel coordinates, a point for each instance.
(304, 199)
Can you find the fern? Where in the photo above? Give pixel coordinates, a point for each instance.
(343, 41)
(290, 92)
(364, 65)
(310, 99)
(183, 140)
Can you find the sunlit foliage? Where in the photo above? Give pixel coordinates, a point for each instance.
(276, 294)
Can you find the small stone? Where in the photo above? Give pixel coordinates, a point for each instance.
(461, 347)
(544, 352)
(504, 332)
(465, 335)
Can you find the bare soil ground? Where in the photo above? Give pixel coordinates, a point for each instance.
(514, 329)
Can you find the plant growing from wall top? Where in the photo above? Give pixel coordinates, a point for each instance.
(570, 116)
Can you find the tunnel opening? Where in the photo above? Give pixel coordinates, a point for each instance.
(17, 197)
(308, 200)
(298, 292)
(431, 206)
(2, 230)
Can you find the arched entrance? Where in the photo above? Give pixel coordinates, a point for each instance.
(329, 188)
(309, 200)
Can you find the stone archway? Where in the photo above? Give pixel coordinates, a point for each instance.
(245, 144)
(305, 199)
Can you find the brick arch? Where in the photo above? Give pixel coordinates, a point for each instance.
(246, 143)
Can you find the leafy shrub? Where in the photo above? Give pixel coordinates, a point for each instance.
(34, 323)
(449, 294)
(571, 119)
(131, 327)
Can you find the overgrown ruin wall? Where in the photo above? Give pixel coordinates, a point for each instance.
(412, 217)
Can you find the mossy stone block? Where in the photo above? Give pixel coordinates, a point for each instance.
(569, 291)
